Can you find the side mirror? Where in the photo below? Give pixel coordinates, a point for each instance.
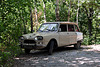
(59, 30)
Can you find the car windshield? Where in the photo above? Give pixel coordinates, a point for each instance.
(48, 27)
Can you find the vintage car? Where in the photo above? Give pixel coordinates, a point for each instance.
(51, 35)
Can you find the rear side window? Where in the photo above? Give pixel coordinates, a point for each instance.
(63, 27)
(71, 28)
(76, 28)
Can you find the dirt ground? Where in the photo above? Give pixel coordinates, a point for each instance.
(87, 56)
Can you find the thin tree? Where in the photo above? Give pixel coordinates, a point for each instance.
(44, 7)
(89, 12)
(36, 20)
(69, 11)
(31, 19)
(57, 10)
(77, 13)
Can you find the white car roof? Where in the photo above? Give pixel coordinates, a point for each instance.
(63, 22)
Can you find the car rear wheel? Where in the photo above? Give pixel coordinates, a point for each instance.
(51, 47)
(78, 45)
(27, 51)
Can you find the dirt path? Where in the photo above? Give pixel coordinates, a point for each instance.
(87, 56)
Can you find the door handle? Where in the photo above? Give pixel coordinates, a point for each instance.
(67, 33)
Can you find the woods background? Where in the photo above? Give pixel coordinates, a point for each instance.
(18, 17)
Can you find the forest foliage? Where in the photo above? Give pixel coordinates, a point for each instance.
(18, 17)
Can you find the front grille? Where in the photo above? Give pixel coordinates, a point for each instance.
(29, 41)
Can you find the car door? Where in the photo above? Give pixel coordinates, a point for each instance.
(72, 34)
(63, 35)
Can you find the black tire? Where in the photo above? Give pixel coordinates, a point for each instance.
(51, 47)
(78, 45)
(27, 51)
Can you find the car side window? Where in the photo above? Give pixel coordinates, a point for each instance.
(76, 28)
(71, 28)
(63, 27)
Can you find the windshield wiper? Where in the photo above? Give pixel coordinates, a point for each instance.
(48, 29)
(45, 30)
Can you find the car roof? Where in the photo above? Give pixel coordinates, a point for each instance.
(63, 22)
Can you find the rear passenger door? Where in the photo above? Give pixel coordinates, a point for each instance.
(72, 34)
(63, 35)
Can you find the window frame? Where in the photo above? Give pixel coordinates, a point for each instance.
(73, 27)
(49, 23)
(66, 27)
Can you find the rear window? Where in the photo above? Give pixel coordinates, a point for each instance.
(71, 28)
(63, 27)
(76, 28)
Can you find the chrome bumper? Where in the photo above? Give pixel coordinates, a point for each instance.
(30, 46)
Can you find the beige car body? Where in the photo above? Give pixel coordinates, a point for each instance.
(62, 38)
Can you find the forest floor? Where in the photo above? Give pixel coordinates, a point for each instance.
(87, 56)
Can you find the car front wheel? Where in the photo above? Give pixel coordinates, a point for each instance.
(27, 51)
(51, 47)
(78, 45)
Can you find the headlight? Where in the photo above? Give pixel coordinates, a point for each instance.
(38, 38)
(21, 38)
(35, 38)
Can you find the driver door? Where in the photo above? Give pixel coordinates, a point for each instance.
(63, 35)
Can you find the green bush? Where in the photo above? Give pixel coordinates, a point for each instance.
(6, 56)
(90, 41)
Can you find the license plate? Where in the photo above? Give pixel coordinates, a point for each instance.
(29, 44)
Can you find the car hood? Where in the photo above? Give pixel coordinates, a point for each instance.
(33, 35)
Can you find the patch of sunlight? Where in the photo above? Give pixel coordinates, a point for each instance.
(61, 60)
(81, 62)
(96, 47)
(96, 60)
(17, 58)
(83, 58)
(45, 59)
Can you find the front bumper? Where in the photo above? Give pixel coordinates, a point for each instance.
(32, 46)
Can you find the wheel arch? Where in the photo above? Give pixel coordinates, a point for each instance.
(56, 44)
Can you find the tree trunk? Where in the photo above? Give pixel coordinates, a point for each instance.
(77, 13)
(90, 17)
(89, 13)
(44, 7)
(36, 20)
(31, 20)
(57, 10)
(69, 11)
(36, 15)
(95, 34)
(90, 27)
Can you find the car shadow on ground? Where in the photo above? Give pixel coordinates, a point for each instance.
(45, 52)
(63, 56)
